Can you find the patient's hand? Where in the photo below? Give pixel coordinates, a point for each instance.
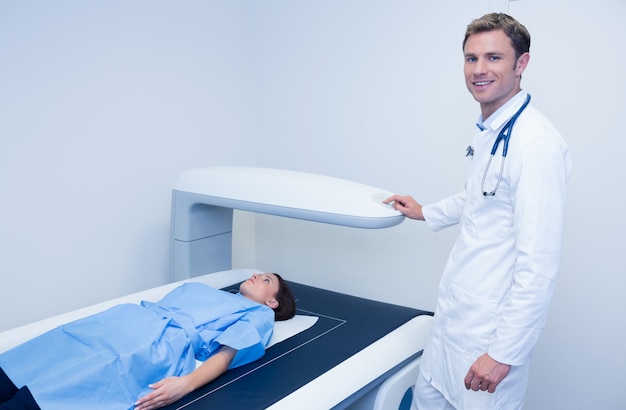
(170, 389)
(167, 391)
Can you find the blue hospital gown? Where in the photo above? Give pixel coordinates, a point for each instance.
(106, 361)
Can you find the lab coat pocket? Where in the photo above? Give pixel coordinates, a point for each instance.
(493, 222)
(472, 320)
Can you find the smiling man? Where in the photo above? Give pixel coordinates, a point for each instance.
(497, 285)
(493, 68)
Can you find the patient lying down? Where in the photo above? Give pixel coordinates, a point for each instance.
(143, 356)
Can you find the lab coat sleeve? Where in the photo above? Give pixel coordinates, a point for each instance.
(444, 213)
(539, 180)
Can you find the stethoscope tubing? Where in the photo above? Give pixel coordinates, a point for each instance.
(504, 135)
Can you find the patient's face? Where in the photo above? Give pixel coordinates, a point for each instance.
(261, 288)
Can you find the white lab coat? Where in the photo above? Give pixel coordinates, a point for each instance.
(499, 279)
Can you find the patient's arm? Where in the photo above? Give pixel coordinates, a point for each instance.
(170, 389)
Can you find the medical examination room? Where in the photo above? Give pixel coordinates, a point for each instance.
(105, 106)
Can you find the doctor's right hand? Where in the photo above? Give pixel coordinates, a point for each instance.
(407, 206)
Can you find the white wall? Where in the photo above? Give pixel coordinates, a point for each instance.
(373, 91)
(102, 104)
(358, 90)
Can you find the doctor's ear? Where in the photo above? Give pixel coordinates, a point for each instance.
(273, 303)
(522, 63)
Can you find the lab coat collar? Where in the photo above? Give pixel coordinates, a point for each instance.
(502, 114)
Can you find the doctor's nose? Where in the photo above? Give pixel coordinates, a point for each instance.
(479, 70)
(480, 67)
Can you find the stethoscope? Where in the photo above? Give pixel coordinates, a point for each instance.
(504, 135)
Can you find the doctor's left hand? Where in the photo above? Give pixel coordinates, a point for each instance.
(485, 374)
(167, 391)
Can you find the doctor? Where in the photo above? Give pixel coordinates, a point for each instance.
(499, 279)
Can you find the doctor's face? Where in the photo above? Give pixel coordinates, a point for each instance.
(261, 288)
(492, 72)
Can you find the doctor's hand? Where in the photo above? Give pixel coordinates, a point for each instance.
(167, 391)
(486, 374)
(406, 205)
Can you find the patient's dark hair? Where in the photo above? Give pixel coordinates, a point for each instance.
(286, 302)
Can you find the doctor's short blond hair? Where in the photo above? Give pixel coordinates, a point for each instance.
(514, 30)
